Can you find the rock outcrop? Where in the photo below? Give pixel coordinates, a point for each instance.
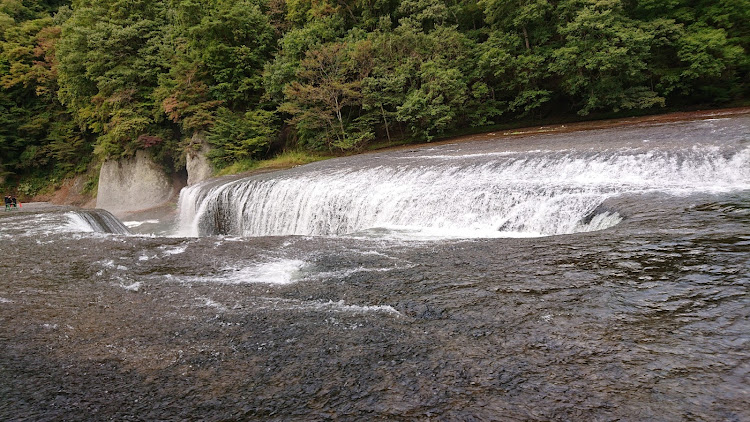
(197, 164)
(133, 184)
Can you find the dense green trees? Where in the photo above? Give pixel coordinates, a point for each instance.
(109, 77)
(215, 83)
(111, 55)
(39, 141)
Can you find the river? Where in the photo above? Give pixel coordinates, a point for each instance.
(595, 275)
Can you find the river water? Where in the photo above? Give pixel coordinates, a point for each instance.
(597, 275)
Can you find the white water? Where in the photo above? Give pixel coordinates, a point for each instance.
(503, 194)
(99, 221)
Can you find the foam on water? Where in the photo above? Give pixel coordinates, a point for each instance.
(42, 225)
(110, 264)
(78, 223)
(174, 250)
(134, 224)
(340, 306)
(98, 221)
(134, 287)
(282, 271)
(278, 271)
(210, 303)
(350, 271)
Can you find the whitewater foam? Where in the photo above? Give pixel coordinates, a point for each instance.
(174, 250)
(329, 306)
(517, 194)
(133, 287)
(134, 224)
(278, 271)
(77, 223)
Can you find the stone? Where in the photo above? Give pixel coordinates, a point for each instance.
(133, 184)
(198, 166)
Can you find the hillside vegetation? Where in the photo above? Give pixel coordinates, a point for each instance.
(86, 80)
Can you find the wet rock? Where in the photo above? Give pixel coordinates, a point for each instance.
(421, 310)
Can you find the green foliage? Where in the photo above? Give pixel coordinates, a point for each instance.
(82, 79)
(329, 83)
(603, 60)
(707, 57)
(237, 137)
(37, 137)
(434, 105)
(224, 46)
(285, 159)
(420, 79)
(109, 69)
(701, 49)
(282, 69)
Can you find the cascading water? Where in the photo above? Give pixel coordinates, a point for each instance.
(96, 220)
(495, 194)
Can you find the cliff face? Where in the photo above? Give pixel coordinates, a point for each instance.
(133, 184)
(198, 166)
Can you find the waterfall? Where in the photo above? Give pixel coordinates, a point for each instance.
(535, 193)
(98, 221)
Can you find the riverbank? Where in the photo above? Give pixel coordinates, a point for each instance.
(34, 207)
(588, 125)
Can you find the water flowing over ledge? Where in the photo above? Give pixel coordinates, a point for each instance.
(506, 194)
(97, 221)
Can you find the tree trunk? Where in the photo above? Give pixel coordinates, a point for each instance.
(526, 38)
(387, 132)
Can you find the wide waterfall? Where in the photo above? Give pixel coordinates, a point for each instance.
(444, 192)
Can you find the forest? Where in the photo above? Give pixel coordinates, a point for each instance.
(83, 81)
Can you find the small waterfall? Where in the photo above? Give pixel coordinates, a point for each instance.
(482, 195)
(98, 221)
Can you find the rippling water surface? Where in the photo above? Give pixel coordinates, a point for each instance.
(599, 275)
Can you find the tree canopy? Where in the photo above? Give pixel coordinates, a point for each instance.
(86, 80)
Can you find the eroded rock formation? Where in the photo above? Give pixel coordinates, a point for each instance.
(133, 184)
(197, 164)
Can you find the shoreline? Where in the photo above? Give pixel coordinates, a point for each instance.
(672, 117)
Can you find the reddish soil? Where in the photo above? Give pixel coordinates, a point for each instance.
(71, 193)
